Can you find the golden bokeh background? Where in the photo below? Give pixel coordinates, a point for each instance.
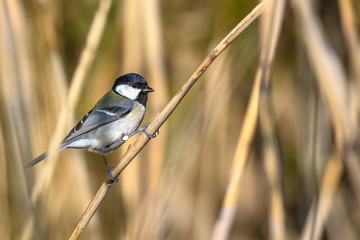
(57, 58)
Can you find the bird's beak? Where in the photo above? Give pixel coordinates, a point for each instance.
(148, 89)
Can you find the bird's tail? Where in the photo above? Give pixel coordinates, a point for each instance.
(45, 154)
(37, 160)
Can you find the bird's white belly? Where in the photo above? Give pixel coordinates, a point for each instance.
(109, 137)
(114, 131)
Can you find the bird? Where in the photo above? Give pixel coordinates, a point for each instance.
(113, 120)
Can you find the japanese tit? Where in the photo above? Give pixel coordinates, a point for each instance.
(114, 118)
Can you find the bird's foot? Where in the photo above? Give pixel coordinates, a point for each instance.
(149, 135)
(111, 176)
(143, 128)
(109, 170)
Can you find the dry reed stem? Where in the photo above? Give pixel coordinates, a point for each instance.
(214, 117)
(350, 35)
(16, 110)
(154, 54)
(132, 36)
(16, 72)
(271, 26)
(45, 22)
(77, 82)
(5, 226)
(352, 167)
(340, 224)
(224, 221)
(154, 67)
(333, 172)
(135, 148)
(348, 24)
(330, 75)
(332, 84)
(58, 75)
(21, 51)
(131, 61)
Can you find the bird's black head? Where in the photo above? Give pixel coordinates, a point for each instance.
(132, 86)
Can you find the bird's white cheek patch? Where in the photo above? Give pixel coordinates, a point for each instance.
(127, 91)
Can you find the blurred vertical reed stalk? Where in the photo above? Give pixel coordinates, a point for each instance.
(271, 22)
(270, 29)
(77, 82)
(225, 220)
(334, 88)
(143, 50)
(56, 72)
(22, 92)
(132, 61)
(154, 55)
(16, 110)
(348, 23)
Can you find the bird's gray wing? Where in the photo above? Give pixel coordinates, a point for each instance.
(97, 118)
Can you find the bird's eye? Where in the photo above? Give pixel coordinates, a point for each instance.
(134, 85)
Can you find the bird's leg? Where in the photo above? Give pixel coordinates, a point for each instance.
(110, 170)
(143, 129)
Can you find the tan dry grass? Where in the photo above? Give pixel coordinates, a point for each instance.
(188, 165)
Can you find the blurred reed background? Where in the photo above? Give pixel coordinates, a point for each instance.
(265, 145)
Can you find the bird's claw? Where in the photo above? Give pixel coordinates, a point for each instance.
(142, 129)
(149, 135)
(110, 175)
